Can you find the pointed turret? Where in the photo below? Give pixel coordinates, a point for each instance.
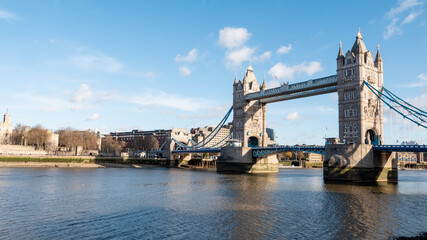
(378, 60)
(235, 78)
(264, 84)
(6, 117)
(358, 46)
(340, 53)
(378, 57)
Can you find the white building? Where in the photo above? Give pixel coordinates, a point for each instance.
(6, 130)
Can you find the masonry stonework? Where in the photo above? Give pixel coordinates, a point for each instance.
(360, 111)
(249, 122)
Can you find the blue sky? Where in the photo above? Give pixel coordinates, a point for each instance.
(114, 65)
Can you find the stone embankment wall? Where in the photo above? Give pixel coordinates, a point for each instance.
(21, 150)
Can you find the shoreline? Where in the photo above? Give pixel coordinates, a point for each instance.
(68, 165)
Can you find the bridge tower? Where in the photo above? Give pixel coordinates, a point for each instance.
(360, 120)
(249, 126)
(249, 122)
(360, 111)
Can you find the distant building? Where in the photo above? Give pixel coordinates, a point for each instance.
(6, 130)
(161, 135)
(314, 157)
(204, 135)
(410, 157)
(270, 136)
(52, 140)
(332, 140)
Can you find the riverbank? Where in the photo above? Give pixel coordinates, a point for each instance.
(78, 162)
(66, 165)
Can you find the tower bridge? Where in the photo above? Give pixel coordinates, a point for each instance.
(360, 156)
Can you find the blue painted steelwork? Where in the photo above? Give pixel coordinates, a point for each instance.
(215, 131)
(401, 148)
(403, 108)
(160, 148)
(263, 151)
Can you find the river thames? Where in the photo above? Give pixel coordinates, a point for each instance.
(162, 203)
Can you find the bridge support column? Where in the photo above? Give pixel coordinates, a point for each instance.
(358, 163)
(240, 160)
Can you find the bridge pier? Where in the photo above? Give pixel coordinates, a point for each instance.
(240, 160)
(358, 163)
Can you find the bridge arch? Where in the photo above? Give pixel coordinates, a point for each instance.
(371, 137)
(253, 142)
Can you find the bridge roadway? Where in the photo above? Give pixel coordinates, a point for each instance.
(261, 151)
(297, 90)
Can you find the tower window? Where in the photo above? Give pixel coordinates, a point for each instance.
(250, 85)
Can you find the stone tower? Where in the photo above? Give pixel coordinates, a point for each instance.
(249, 122)
(5, 129)
(360, 111)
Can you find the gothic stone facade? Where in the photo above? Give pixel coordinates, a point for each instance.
(360, 111)
(249, 122)
(5, 130)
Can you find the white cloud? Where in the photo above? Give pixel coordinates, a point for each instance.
(7, 16)
(265, 56)
(284, 49)
(282, 71)
(423, 82)
(273, 83)
(83, 93)
(154, 98)
(230, 37)
(191, 56)
(391, 29)
(43, 103)
(395, 27)
(422, 77)
(419, 102)
(403, 5)
(100, 62)
(142, 74)
(292, 116)
(93, 117)
(184, 71)
(285, 72)
(411, 17)
(325, 109)
(236, 57)
(104, 97)
(312, 68)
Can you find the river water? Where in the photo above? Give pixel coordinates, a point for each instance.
(161, 203)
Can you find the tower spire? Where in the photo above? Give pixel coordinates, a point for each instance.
(340, 53)
(378, 57)
(358, 46)
(235, 78)
(264, 84)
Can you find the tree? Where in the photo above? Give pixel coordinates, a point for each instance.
(71, 138)
(150, 143)
(300, 155)
(19, 134)
(288, 155)
(108, 144)
(38, 137)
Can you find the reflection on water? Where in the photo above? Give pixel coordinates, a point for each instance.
(157, 203)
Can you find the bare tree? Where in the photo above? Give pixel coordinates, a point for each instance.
(108, 144)
(300, 155)
(150, 143)
(19, 134)
(71, 138)
(38, 137)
